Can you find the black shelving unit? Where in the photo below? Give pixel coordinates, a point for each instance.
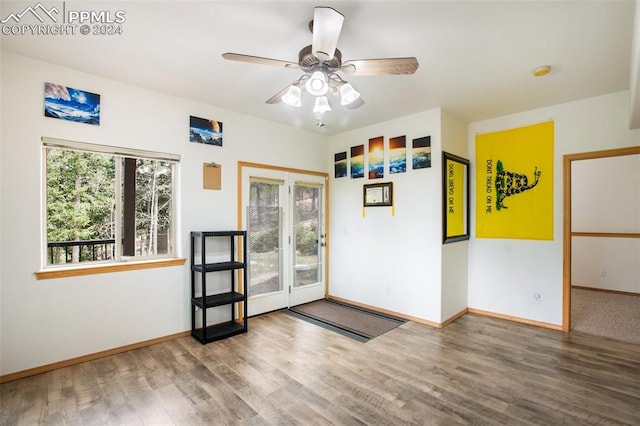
(200, 304)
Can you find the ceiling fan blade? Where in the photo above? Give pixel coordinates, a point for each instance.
(259, 60)
(278, 96)
(382, 66)
(327, 25)
(355, 104)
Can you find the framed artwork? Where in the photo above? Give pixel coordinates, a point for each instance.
(340, 164)
(421, 153)
(376, 157)
(398, 154)
(357, 161)
(377, 194)
(455, 198)
(67, 103)
(202, 130)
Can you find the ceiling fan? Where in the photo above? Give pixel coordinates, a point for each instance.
(321, 62)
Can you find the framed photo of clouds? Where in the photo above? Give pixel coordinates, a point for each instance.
(67, 103)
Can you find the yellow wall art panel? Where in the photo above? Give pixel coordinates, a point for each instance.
(455, 178)
(514, 183)
(455, 201)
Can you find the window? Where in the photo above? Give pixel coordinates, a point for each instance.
(107, 204)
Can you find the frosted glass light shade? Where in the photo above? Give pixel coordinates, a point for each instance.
(292, 97)
(348, 94)
(317, 84)
(322, 105)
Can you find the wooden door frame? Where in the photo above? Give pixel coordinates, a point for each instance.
(566, 221)
(243, 164)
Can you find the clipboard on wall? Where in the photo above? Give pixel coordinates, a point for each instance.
(211, 176)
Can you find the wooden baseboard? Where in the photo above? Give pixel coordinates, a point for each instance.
(515, 319)
(369, 307)
(606, 290)
(398, 314)
(454, 317)
(73, 361)
(421, 321)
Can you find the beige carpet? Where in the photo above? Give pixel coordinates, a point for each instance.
(616, 316)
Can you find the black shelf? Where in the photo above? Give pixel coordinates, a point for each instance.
(217, 233)
(218, 299)
(218, 266)
(236, 295)
(218, 331)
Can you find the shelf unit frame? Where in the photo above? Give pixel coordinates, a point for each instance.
(209, 333)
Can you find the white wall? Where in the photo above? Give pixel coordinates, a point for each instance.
(52, 320)
(390, 262)
(605, 198)
(606, 194)
(503, 274)
(606, 263)
(455, 256)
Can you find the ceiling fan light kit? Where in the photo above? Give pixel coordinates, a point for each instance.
(348, 94)
(293, 96)
(321, 62)
(322, 105)
(317, 84)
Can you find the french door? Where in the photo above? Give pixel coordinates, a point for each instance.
(284, 215)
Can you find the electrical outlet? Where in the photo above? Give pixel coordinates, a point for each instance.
(536, 298)
(603, 272)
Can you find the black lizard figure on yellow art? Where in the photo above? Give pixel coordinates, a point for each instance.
(509, 183)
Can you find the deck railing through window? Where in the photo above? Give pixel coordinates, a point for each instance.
(59, 252)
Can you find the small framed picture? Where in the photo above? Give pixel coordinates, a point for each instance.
(206, 131)
(455, 198)
(378, 194)
(67, 103)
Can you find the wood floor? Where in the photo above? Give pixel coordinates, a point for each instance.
(286, 371)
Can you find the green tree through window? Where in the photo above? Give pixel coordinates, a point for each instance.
(86, 206)
(153, 206)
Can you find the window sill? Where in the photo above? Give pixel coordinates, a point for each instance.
(105, 269)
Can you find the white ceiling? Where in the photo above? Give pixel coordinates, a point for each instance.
(476, 56)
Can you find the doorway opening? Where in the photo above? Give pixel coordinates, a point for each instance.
(580, 243)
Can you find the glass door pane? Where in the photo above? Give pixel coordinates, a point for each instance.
(307, 259)
(308, 248)
(264, 238)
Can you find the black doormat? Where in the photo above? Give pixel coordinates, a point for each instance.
(351, 321)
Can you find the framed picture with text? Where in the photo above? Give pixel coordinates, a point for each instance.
(377, 194)
(455, 198)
